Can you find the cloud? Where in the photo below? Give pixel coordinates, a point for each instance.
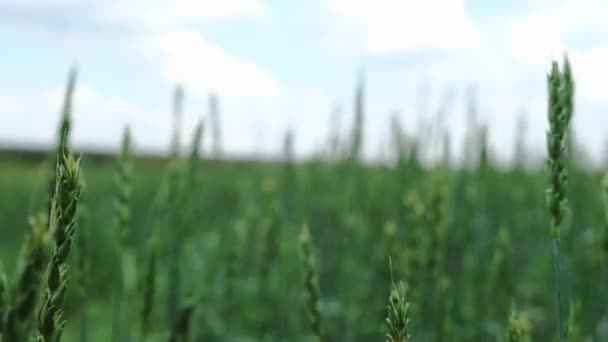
(177, 11)
(547, 30)
(190, 59)
(106, 16)
(165, 31)
(400, 25)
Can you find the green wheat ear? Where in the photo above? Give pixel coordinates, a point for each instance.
(518, 328)
(398, 318)
(124, 174)
(62, 226)
(63, 132)
(560, 110)
(311, 281)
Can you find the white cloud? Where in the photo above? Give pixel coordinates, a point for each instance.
(532, 44)
(104, 13)
(546, 31)
(167, 30)
(175, 11)
(397, 25)
(204, 67)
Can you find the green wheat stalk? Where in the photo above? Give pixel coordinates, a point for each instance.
(398, 318)
(182, 182)
(83, 269)
(311, 282)
(561, 91)
(27, 289)
(62, 225)
(122, 204)
(148, 287)
(235, 258)
(122, 214)
(573, 329)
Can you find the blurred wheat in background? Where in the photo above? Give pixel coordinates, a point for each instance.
(436, 237)
(198, 249)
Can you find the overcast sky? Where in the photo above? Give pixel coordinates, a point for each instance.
(286, 64)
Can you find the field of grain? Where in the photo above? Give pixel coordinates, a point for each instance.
(194, 248)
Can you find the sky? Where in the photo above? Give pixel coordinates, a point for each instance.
(293, 65)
